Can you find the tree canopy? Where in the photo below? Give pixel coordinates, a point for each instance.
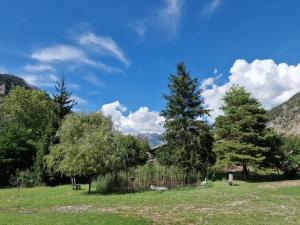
(33, 111)
(88, 147)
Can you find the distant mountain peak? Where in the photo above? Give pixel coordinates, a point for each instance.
(154, 139)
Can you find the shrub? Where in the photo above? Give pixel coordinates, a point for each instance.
(25, 178)
(143, 177)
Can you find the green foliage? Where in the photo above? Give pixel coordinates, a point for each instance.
(30, 109)
(144, 176)
(88, 147)
(275, 156)
(4, 121)
(62, 98)
(184, 126)
(33, 110)
(241, 135)
(291, 151)
(136, 150)
(109, 183)
(159, 175)
(26, 178)
(16, 152)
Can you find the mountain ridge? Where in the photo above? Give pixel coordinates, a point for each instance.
(8, 81)
(285, 118)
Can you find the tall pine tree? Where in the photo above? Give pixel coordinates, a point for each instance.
(63, 100)
(184, 124)
(241, 135)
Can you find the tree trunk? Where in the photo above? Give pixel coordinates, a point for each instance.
(245, 171)
(277, 170)
(90, 185)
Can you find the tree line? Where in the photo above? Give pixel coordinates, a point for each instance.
(44, 141)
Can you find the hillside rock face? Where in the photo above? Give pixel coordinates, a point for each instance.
(8, 81)
(285, 118)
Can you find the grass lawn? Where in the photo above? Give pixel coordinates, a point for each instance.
(246, 203)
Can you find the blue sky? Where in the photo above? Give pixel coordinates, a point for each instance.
(117, 55)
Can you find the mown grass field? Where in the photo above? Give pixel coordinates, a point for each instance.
(246, 203)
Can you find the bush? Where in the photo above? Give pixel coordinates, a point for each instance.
(143, 177)
(157, 175)
(25, 178)
(111, 182)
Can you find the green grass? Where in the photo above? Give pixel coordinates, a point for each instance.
(247, 203)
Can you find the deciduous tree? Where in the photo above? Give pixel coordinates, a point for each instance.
(88, 147)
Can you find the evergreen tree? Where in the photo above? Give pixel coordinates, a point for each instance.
(241, 135)
(16, 152)
(184, 125)
(62, 97)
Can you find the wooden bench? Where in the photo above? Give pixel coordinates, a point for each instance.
(74, 185)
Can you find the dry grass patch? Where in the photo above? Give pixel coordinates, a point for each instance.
(280, 184)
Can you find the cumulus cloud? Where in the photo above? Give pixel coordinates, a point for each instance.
(141, 121)
(211, 7)
(167, 17)
(104, 45)
(269, 82)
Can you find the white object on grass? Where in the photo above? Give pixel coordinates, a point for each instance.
(159, 189)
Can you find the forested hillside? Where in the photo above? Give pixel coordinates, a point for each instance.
(8, 81)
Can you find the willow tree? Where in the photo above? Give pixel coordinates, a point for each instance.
(185, 125)
(241, 135)
(88, 147)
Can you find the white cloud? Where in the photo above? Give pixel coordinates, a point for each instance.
(38, 68)
(80, 101)
(94, 80)
(103, 44)
(167, 19)
(269, 82)
(45, 80)
(73, 86)
(170, 16)
(141, 121)
(61, 53)
(211, 7)
(139, 28)
(67, 54)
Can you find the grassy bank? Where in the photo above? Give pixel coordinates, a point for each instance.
(246, 203)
